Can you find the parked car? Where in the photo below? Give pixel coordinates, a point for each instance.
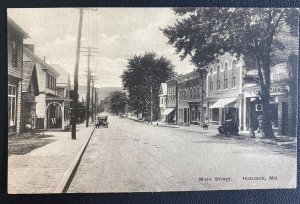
(229, 127)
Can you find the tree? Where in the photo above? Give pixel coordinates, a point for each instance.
(142, 80)
(207, 33)
(117, 102)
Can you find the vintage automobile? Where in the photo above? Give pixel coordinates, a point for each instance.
(102, 121)
(229, 127)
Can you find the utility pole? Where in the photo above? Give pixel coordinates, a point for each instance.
(75, 104)
(151, 117)
(88, 90)
(95, 103)
(89, 54)
(92, 100)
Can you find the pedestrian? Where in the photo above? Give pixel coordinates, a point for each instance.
(260, 120)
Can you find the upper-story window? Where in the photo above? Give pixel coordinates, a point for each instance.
(14, 54)
(218, 77)
(51, 82)
(234, 63)
(225, 75)
(211, 86)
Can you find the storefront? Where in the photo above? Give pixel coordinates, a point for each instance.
(224, 109)
(195, 112)
(278, 108)
(169, 115)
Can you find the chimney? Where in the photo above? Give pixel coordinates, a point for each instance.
(45, 59)
(30, 47)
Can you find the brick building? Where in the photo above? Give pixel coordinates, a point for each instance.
(224, 89)
(15, 36)
(191, 95)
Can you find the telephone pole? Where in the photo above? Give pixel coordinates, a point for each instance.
(93, 79)
(75, 104)
(92, 100)
(89, 54)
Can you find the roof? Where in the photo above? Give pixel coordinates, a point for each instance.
(186, 77)
(29, 73)
(47, 66)
(11, 23)
(64, 76)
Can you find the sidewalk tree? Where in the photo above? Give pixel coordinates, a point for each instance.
(207, 33)
(142, 80)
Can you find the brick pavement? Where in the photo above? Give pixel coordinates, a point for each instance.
(41, 170)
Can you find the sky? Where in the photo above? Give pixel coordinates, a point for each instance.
(117, 33)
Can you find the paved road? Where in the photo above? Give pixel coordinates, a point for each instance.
(136, 157)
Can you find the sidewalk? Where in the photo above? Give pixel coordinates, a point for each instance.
(46, 169)
(280, 140)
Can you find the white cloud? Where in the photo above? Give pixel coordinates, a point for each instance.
(122, 33)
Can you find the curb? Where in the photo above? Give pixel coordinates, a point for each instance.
(65, 181)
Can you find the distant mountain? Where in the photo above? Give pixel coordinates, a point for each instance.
(102, 92)
(105, 91)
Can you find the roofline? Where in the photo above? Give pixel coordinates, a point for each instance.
(56, 73)
(11, 22)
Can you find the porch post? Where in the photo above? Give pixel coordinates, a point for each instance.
(46, 117)
(62, 107)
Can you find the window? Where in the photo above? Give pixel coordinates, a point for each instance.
(211, 87)
(225, 84)
(233, 82)
(51, 82)
(218, 77)
(14, 54)
(225, 75)
(234, 63)
(12, 93)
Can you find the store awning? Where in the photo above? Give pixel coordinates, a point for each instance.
(167, 111)
(225, 102)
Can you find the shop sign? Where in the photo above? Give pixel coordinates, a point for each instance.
(274, 90)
